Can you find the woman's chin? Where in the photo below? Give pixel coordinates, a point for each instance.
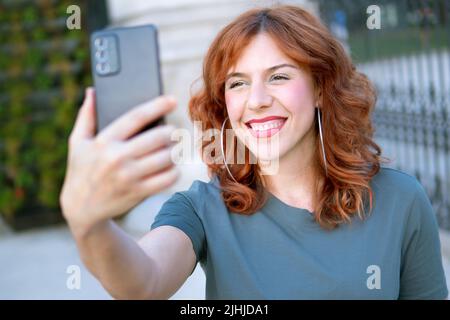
(267, 157)
(266, 153)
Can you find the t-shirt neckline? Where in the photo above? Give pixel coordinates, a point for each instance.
(272, 199)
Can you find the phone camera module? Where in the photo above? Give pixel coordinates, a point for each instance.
(106, 56)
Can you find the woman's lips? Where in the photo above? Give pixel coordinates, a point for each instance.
(266, 129)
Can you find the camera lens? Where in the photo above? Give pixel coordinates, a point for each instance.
(101, 43)
(103, 68)
(101, 55)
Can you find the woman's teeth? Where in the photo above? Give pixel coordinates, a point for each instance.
(266, 126)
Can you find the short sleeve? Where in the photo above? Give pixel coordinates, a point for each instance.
(422, 274)
(179, 212)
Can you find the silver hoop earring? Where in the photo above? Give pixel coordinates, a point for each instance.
(321, 140)
(223, 153)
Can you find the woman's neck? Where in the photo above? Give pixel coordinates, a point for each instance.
(295, 180)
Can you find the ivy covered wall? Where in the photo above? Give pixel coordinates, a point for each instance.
(44, 68)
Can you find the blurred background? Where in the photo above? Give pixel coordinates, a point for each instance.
(44, 68)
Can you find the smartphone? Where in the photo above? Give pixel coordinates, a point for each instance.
(126, 70)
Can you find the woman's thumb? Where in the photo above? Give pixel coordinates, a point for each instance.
(86, 120)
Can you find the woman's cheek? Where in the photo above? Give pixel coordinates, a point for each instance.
(234, 107)
(298, 96)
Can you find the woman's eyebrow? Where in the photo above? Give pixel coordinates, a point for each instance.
(271, 69)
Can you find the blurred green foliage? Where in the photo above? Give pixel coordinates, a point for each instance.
(406, 27)
(44, 68)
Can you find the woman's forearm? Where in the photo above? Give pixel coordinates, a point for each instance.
(117, 261)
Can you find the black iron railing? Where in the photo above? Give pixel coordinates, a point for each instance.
(408, 59)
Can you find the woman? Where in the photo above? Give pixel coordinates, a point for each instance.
(329, 223)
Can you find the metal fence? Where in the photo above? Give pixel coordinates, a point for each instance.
(408, 59)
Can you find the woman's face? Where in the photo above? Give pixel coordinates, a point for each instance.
(266, 83)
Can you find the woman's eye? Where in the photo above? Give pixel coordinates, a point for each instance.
(279, 77)
(235, 84)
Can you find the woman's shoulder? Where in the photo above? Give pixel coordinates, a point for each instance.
(200, 188)
(397, 183)
(401, 192)
(200, 192)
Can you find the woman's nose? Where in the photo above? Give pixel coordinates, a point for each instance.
(259, 97)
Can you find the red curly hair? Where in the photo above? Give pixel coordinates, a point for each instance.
(348, 98)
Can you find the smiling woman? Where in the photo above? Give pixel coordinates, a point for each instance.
(312, 229)
(273, 74)
(283, 63)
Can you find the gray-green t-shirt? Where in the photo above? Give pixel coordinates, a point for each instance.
(280, 252)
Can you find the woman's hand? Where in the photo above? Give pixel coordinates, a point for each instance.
(110, 173)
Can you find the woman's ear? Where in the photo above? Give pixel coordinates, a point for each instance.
(318, 97)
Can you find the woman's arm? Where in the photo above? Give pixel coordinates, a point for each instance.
(107, 175)
(153, 268)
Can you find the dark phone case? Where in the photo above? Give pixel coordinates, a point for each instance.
(138, 76)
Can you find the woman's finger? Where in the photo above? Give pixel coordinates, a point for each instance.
(149, 141)
(158, 182)
(85, 123)
(137, 118)
(151, 164)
